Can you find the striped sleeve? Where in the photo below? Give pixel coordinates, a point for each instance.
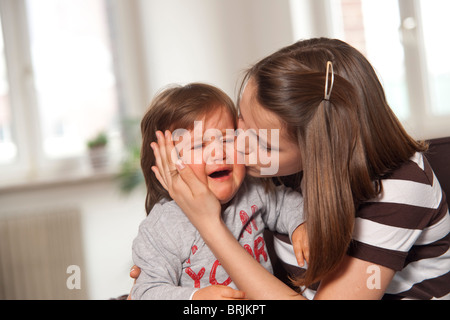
(407, 229)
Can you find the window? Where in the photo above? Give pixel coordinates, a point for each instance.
(359, 24)
(436, 25)
(405, 42)
(59, 66)
(8, 150)
(73, 73)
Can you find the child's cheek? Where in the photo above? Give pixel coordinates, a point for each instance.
(240, 171)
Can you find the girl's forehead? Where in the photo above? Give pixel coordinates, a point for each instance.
(256, 117)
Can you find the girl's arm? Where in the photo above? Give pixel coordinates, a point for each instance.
(355, 279)
(351, 280)
(249, 276)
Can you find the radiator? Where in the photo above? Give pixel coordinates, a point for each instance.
(37, 250)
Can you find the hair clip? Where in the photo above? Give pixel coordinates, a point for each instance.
(327, 94)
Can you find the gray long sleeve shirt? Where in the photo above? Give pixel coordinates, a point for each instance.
(174, 259)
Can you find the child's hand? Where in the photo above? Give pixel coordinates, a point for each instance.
(216, 292)
(301, 244)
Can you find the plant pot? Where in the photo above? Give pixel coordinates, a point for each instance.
(98, 157)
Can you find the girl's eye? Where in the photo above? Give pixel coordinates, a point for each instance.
(228, 139)
(268, 148)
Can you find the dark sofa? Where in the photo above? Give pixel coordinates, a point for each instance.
(439, 157)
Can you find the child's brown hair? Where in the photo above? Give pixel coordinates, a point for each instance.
(173, 108)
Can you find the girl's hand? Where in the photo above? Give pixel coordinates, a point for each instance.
(214, 292)
(217, 292)
(195, 199)
(203, 210)
(301, 244)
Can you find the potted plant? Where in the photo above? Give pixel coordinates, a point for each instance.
(130, 176)
(97, 150)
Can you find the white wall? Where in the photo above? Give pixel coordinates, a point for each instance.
(210, 41)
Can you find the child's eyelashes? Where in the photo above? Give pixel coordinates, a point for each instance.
(198, 146)
(228, 140)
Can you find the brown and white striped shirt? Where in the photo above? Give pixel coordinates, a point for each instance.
(407, 229)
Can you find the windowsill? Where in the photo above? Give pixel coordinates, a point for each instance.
(87, 176)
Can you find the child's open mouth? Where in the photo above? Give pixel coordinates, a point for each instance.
(220, 174)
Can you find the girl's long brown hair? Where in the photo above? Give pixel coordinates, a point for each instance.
(348, 143)
(176, 107)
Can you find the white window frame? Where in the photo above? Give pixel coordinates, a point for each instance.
(31, 165)
(424, 123)
(316, 18)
